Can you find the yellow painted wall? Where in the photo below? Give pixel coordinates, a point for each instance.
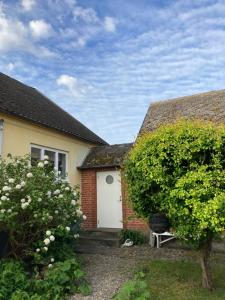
(18, 135)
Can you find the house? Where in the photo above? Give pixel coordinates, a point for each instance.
(33, 124)
(30, 123)
(104, 198)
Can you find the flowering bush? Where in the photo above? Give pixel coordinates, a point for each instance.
(37, 209)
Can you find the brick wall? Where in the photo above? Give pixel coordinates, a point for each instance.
(89, 198)
(89, 202)
(131, 221)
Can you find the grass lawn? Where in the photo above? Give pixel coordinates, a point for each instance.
(182, 281)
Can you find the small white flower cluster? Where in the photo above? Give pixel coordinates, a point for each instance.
(29, 175)
(52, 260)
(24, 203)
(41, 164)
(50, 238)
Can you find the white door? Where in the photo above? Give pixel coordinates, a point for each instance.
(109, 200)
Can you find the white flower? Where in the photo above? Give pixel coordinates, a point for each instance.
(2, 210)
(18, 186)
(11, 180)
(79, 212)
(52, 259)
(47, 241)
(48, 233)
(23, 183)
(73, 202)
(84, 217)
(38, 250)
(22, 200)
(49, 193)
(6, 188)
(50, 217)
(75, 193)
(50, 266)
(45, 162)
(52, 238)
(40, 165)
(56, 212)
(46, 157)
(24, 205)
(9, 210)
(45, 248)
(35, 215)
(76, 235)
(68, 228)
(60, 196)
(3, 198)
(56, 192)
(29, 175)
(39, 199)
(67, 188)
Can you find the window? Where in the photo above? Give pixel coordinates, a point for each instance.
(57, 159)
(109, 179)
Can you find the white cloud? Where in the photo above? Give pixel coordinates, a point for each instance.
(28, 4)
(86, 14)
(110, 24)
(74, 87)
(15, 35)
(40, 29)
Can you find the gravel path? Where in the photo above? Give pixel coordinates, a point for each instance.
(108, 269)
(106, 274)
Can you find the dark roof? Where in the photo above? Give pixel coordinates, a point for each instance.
(26, 102)
(208, 106)
(106, 156)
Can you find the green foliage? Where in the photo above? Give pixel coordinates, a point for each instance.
(179, 169)
(136, 289)
(42, 216)
(12, 278)
(56, 282)
(37, 208)
(64, 278)
(136, 236)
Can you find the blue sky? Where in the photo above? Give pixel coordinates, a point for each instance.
(105, 61)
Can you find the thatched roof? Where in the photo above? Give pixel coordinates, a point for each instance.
(106, 156)
(208, 106)
(28, 103)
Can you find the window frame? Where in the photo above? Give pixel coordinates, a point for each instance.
(56, 151)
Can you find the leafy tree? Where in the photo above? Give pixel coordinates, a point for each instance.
(179, 169)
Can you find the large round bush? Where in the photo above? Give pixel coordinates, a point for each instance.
(179, 169)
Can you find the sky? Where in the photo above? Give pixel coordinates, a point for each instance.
(105, 61)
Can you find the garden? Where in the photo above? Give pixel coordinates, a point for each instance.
(40, 218)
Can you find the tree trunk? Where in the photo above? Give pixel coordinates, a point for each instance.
(205, 263)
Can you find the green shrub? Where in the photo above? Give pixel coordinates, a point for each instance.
(56, 282)
(137, 237)
(136, 289)
(42, 216)
(12, 278)
(36, 208)
(64, 278)
(179, 169)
